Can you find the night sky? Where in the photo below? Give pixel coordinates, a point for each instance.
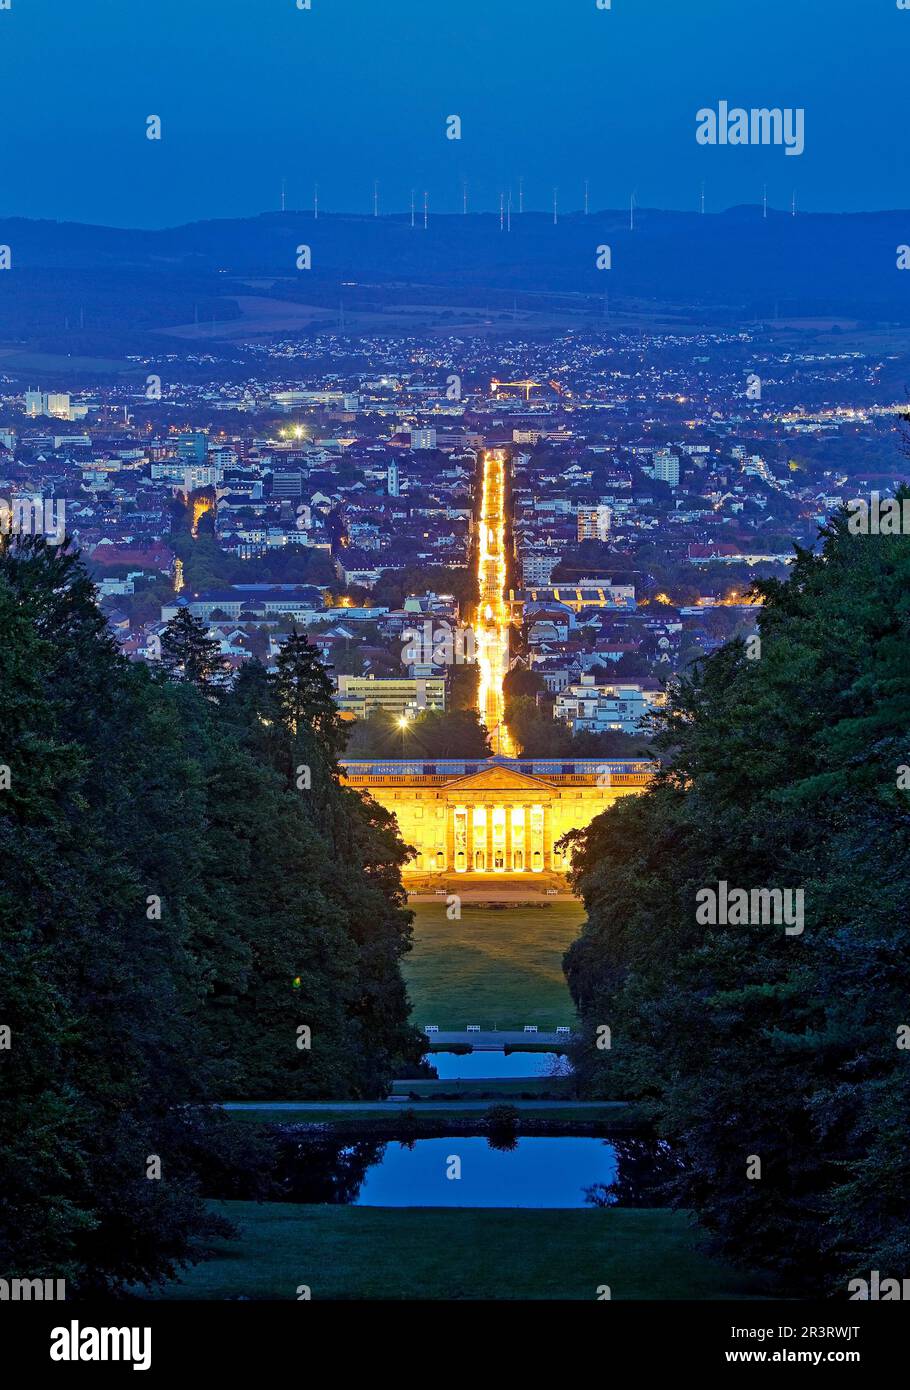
(250, 91)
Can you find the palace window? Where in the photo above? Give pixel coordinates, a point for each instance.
(499, 838)
(480, 838)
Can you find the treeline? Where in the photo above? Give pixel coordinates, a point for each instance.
(193, 909)
(456, 733)
(207, 566)
(394, 586)
(777, 1060)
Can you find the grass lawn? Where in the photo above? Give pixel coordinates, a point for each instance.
(14, 359)
(362, 1253)
(501, 967)
(429, 1117)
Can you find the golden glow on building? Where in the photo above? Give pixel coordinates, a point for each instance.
(500, 816)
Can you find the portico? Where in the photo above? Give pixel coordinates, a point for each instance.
(500, 816)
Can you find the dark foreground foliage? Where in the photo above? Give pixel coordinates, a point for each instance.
(184, 888)
(786, 768)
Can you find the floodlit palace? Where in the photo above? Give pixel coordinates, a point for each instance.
(499, 816)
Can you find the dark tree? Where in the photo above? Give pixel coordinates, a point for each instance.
(305, 695)
(189, 654)
(785, 767)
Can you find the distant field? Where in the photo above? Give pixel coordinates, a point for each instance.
(499, 968)
(21, 360)
(362, 1253)
(261, 314)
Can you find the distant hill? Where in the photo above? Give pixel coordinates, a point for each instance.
(734, 266)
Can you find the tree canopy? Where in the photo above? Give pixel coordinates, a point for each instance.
(785, 765)
(176, 929)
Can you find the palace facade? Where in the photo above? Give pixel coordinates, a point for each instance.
(494, 816)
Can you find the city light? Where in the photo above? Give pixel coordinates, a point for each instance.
(492, 622)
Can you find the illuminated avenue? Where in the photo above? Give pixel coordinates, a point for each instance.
(506, 815)
(491, 627)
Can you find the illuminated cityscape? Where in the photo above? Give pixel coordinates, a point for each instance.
(454, 681)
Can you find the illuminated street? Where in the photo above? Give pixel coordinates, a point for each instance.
(492, 621)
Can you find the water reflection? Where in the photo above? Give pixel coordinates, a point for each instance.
(499, 1171)
(645, 1171)
(454, 1066)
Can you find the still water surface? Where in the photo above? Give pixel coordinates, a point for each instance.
(504, 1171)
(452, 1066)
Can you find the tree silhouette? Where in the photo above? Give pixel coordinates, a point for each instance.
(189, 654)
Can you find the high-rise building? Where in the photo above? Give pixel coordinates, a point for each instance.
(392, 480)
(594, 523)
(666, 467)
(192, 446)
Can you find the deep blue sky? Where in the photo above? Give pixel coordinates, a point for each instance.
(554, 90)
